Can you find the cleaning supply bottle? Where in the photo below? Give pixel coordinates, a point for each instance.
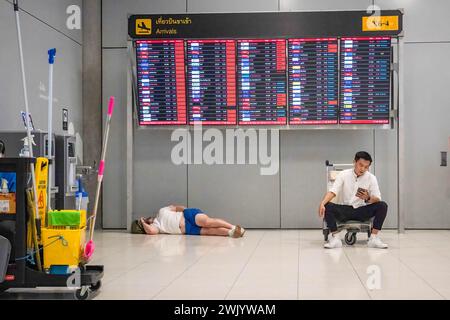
(4, 186)
(25, 152)
(81, 197)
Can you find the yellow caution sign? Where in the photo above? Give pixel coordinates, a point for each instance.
(41, 173)
(380, 23)
(143, 26)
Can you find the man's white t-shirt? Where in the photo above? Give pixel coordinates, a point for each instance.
(168, 221)
(347, 184)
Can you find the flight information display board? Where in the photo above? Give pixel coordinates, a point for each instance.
(161, 86)
(211, 78)
(262, 81)
(365, 80)
(313, 81)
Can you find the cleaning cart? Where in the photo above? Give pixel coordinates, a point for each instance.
(352, 226)
(48, 248)
(62, 239)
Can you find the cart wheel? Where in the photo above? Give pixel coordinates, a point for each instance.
(95, 286)
(82, 293)
(350, 238)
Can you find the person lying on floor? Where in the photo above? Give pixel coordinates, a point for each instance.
(361, 201)
(191, 221)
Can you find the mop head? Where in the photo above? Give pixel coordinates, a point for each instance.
(89, 250)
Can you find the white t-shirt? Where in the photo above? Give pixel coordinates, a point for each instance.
(347, 184)
(168, 221)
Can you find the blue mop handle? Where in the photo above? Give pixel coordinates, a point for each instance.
(51, 55)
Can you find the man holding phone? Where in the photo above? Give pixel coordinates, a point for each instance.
(361, 199)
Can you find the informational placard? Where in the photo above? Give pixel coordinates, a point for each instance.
(161, 86)
(268, 25)
(365, 80)
(211, 79)
(313, 81)
(262, 81)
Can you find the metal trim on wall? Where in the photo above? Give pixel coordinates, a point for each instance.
(129, 142)
(401, 139)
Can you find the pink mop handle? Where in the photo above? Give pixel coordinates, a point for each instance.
(110, 106)
(101, 168)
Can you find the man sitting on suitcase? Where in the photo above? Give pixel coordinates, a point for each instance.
(361, 201)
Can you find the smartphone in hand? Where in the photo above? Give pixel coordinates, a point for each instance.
(360, 190)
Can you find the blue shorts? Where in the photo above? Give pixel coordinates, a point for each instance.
(189, 217)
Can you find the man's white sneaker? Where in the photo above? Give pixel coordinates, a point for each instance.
(333, 242)
(375, 242)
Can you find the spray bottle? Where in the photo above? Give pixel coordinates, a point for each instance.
(4, 186)
(25, 152)
(81, 196)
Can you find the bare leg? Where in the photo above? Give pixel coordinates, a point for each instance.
(202, 220)
(214, 232)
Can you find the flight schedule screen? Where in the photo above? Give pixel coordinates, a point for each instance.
(262, 81)
(211, 78)
(161, 82)
(313, 81)
(365, 80)
(295, 81)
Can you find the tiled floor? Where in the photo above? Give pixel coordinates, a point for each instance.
(266, 264)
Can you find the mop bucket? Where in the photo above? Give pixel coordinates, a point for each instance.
(64, 244)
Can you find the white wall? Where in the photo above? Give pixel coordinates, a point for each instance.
(43, 24)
